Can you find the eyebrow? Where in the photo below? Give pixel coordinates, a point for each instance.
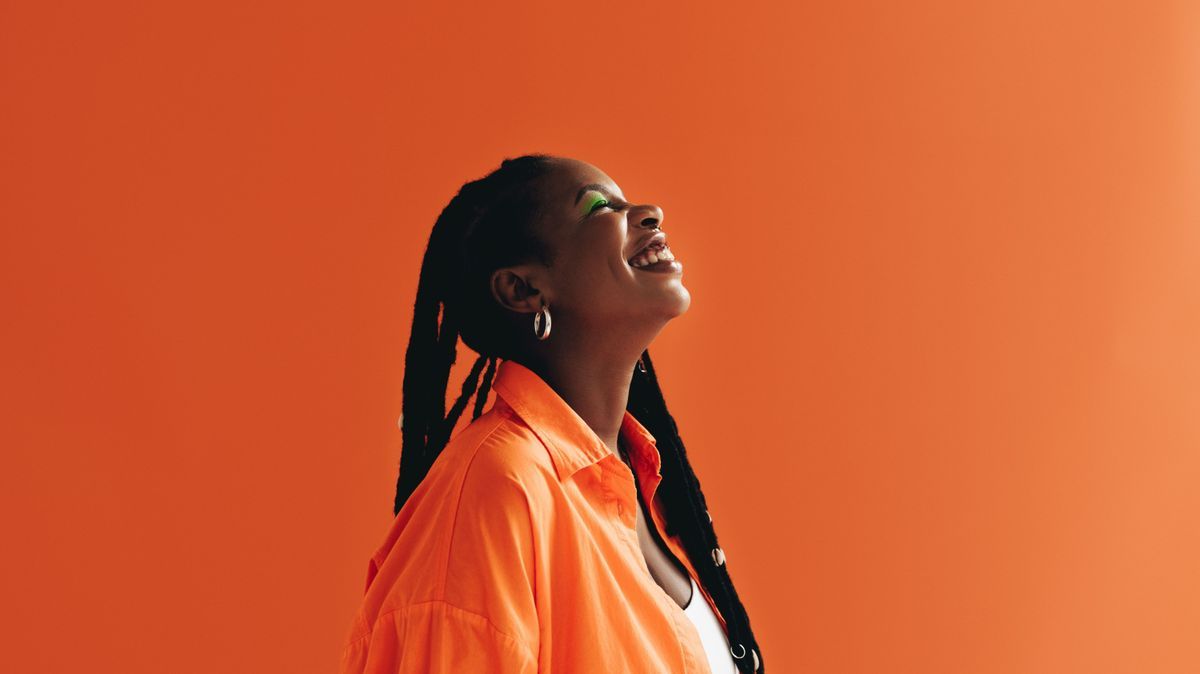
(594, 186)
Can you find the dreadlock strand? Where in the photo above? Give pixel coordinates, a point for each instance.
(484, 388)
(417, 403)
(446, 355)
(468, 389)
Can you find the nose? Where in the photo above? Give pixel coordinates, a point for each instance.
(649, 216)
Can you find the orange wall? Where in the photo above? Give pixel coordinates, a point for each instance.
(940, 375)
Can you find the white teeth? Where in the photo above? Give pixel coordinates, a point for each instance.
(651, 257)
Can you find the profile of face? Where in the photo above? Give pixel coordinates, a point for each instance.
(612, 263)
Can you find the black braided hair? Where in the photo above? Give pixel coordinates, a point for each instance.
(487, 225)
(687, 513)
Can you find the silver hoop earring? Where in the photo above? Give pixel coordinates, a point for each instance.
(541, 323)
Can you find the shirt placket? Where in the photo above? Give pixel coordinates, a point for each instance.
(624, 500)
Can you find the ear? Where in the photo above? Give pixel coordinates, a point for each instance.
(513, 288)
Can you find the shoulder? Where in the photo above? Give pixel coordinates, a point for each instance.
(470, 526)
(492, 484)
(494, 516)
(498, 458)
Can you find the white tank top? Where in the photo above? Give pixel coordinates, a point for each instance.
(716, 644)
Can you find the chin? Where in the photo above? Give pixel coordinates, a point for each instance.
(681, 299)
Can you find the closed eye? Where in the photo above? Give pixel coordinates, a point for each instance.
(605, 204)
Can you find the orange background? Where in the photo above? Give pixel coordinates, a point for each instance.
(939, 378)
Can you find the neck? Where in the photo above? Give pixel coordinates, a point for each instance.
(592, 374)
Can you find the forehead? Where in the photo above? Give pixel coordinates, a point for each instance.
(564, 183)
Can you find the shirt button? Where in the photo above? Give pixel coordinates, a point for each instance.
(718, 556)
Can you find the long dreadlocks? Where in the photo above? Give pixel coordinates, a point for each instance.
(488, 225)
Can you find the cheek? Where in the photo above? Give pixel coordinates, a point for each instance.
(595, 268)
(593, 272)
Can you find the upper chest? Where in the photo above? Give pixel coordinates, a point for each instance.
(663, 566)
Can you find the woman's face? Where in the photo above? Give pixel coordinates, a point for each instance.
(602, 271)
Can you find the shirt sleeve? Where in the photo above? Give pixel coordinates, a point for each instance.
(482, 614)
(436, 637)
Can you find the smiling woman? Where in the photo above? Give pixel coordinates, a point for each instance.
(564, 529)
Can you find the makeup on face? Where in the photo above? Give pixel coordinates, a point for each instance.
(660, 259)
(595, 201)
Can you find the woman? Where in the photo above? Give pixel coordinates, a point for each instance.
(525, 544)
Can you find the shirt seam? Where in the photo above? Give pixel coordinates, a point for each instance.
(525, 648)
(444, 571)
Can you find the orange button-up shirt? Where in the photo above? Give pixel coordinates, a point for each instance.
(518, 553)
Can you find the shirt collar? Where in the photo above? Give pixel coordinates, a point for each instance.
(572, 444)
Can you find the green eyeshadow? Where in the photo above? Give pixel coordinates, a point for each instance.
(597, 199)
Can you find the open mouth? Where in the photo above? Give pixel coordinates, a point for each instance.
(653, 254)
